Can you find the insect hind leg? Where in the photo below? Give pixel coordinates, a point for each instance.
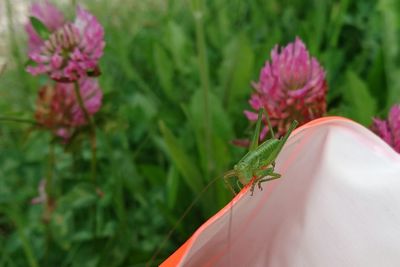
(265, 175)
(272, 176)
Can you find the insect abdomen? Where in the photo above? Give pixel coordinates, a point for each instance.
(264, 153)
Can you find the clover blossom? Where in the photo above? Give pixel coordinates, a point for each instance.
(389, 130)
(67, 50)
(57, 107)
(42, 196)
(51, 17)
(291, 86)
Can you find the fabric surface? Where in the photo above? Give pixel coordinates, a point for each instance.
(337, 204)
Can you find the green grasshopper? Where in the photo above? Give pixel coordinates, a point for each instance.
(258, 165)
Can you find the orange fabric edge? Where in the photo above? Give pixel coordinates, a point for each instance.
(178, 255)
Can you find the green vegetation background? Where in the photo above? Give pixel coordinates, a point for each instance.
(159, 140)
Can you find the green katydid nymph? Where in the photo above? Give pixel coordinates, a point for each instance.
(258, 165)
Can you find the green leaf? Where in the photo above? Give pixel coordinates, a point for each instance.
(338, 16)
(362, 106)
(177, 44)
(221, 130)
(62, 228)
(221, 123)
(376, 79)
(82, 195)
(152, 173)
(65, 223)
(164, 70)
(182, 160)
(40, 28)
(29, 62)
(173, 182)
(237, 68)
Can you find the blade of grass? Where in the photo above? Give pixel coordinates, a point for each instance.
(362, 104)
(182, 160)
(390, 29)
(337, 20)
(198, 10)
(13, 44)
(26, 245)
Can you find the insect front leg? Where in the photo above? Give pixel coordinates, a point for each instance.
(260, 173)
(228, 175)
(239, 184)
(229, 186)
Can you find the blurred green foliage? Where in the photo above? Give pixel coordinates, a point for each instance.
(176, 79)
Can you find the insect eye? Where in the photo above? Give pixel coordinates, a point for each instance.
(238, 167)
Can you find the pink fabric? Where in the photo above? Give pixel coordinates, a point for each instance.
(337, 204)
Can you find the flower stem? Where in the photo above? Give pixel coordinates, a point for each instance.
(49, 177)
(49, 201)
(92, 134)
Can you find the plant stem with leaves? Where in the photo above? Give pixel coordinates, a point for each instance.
(92, 131)
(198, 14)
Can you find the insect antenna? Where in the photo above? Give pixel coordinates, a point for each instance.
(185, 213)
